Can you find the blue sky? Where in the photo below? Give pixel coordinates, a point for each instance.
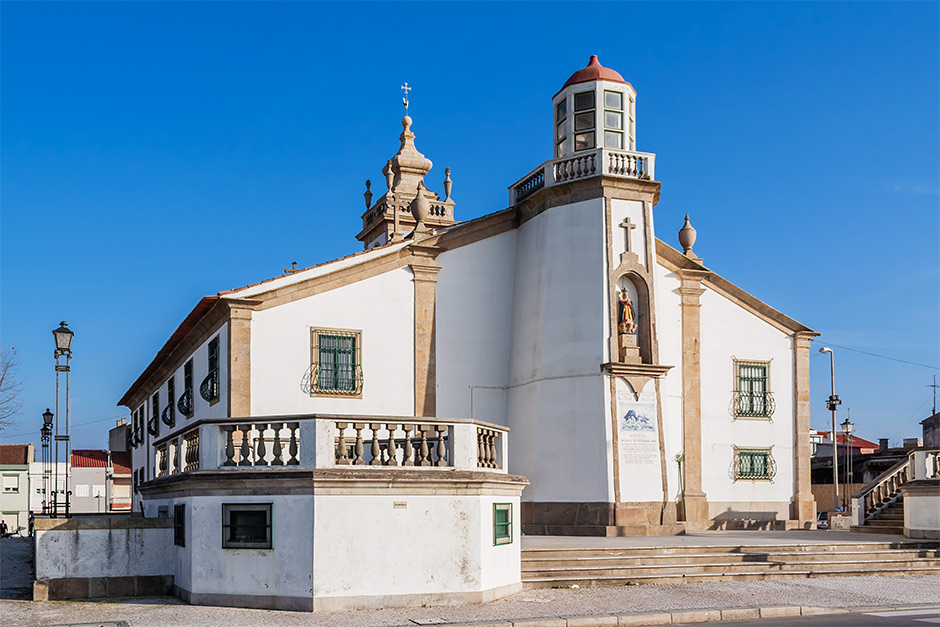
(153, 153)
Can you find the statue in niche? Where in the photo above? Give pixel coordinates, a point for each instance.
(626, 321)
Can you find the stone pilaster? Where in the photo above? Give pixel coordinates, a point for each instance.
(804, 505)
(425, 271)
(696, 503)
(239, 362)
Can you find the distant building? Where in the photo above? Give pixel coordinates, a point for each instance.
(89, 482)
(932, 431)
(14, 471)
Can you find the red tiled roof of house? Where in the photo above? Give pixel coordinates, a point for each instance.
(89, 458)
(121, 463)
(14, 454)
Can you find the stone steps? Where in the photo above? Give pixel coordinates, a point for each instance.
(545, 568)
(599, 561)
(728, 568)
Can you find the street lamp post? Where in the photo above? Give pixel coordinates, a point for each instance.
(847, 427)
(63, 343)
(45, 435)
(832, 403)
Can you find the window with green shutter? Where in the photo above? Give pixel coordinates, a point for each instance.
(336, 367)
(751, 464)
(752, 396)
(502, 523)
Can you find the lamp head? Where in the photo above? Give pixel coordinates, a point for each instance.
(847, 426)
(47, 417)
(63, 338)
(825, 349)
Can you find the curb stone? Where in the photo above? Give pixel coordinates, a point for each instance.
(686, 616)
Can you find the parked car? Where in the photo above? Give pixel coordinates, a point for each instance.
(822, 518)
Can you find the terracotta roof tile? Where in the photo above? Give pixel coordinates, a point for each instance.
(121, 463)
(14, 454)
(89, 458)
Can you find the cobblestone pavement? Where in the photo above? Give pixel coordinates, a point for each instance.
(16, 569)
(856, 593)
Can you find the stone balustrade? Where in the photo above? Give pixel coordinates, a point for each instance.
(885, 488)
(330, 441)
(616, 163)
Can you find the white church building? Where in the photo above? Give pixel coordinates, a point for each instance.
(548, 368)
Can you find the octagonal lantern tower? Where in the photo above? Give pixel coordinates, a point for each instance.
(595, 108)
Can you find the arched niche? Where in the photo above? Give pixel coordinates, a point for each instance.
(637, 289)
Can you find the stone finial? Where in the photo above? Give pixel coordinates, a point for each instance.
(420, 207)
(448, 184)
(408, 166)
(368, 194)
(389, 175)
(687, 238)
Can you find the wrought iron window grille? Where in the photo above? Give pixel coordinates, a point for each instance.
(753, 464)
(751, 397)
(336, 366)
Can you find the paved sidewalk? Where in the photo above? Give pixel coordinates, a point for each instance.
(574, 607)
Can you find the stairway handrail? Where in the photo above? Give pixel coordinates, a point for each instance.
(890, 472)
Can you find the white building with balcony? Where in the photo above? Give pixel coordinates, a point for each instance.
(292, 428)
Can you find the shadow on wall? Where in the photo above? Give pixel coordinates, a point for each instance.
(731, 520)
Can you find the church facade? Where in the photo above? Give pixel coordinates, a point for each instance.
(638, 391)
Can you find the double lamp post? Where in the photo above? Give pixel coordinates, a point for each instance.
(63, 343)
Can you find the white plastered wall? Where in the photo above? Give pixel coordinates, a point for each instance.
(204, 567)
(381, 307)
(474, 308)
(557, 406)
(669, 336)
(424, 544)
(729, 331)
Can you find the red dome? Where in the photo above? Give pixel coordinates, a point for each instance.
(594, 72)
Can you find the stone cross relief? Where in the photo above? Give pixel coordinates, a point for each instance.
(628, 227)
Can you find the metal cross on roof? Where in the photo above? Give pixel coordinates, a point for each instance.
(404, 100)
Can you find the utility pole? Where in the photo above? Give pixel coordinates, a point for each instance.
(833, 402)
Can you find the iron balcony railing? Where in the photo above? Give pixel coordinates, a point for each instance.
(185, 402)
(209, 388)
(753, 404)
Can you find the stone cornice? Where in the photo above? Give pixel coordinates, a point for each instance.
(342, 481)
(588, 189)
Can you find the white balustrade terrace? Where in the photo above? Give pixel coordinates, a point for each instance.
(581, 165)
(334, 441)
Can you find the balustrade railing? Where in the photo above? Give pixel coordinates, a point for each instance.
(487, 449)
(191, 450)
(531, 184)
(886, 487)
(262, 444)
(330, 441)
(391, 444)
(602, 161)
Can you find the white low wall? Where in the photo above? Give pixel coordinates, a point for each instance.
(922, 509)
(102, 556)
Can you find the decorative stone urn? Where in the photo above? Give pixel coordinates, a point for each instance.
(687, 238)
(420, 207)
